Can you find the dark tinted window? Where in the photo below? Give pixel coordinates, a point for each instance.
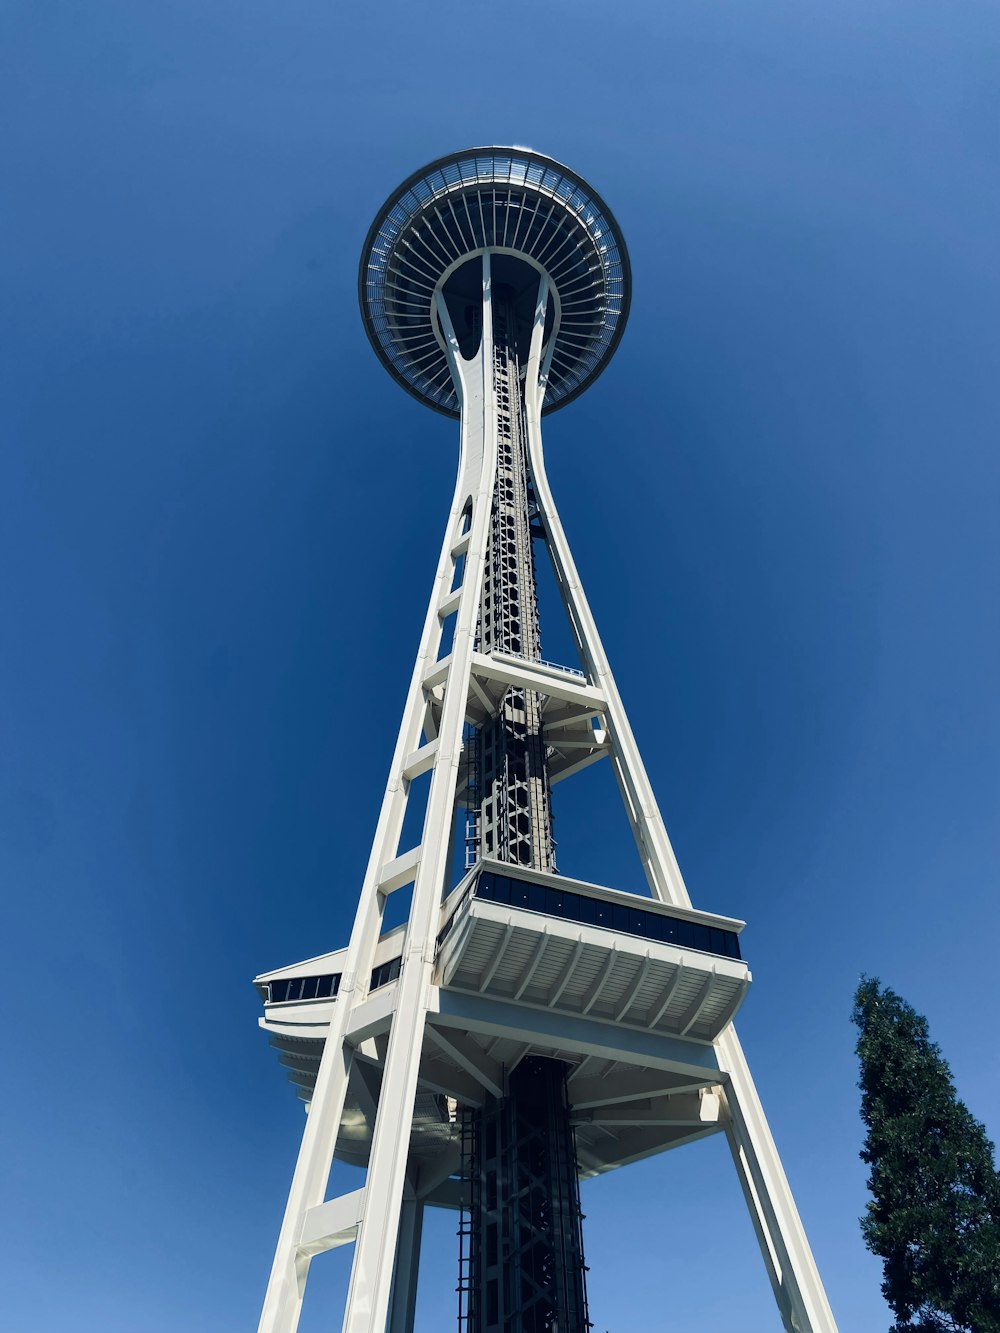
(384, 973)
(559, 902)
(304, 988)
(519, 892)
(486, 886)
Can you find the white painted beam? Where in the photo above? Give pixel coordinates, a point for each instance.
(468, 1056)
(562, 980)
(668, 996)
(584, 762)
(528, 676)
(432, 1174)
(684, 1109)
(591, 1092)
(331, 1224)
(441, 1076)
(450, 1193)
(532, 968)
(634, 987)
(482, 696)
(450, 604)
(489, 972)
(594, 994)
(572, 1033)
(373, 1016)
(437, 673)
(697, 1006)
(420, 760)
(400, 871)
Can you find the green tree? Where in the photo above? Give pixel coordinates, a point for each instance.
(934, 1216)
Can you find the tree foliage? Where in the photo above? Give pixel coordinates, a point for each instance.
(934, 1215)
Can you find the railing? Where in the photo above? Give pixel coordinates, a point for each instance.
(543, 662)
(446, 928)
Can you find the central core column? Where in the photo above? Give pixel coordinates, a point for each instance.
(522, 1253)
(515, 819)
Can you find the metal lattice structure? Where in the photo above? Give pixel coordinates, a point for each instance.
(521, 1250)
(514, 819)
(521, 1030)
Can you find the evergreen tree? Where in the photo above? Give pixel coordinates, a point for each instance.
(934, 1216)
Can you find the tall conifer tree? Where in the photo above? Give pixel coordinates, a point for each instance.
(934, 1216)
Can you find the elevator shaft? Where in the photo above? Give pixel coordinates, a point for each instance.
(514, 813)
(522, 1254)
(526, 1270)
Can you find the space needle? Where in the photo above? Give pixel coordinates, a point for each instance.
(521, 1030)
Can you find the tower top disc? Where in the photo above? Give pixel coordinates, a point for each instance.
(512, 202)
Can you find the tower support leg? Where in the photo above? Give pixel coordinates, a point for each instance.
(286, 1286)
(289, 1271)
(374, 1269)
(403, 1302)
(375, 1249)
(788, 1259)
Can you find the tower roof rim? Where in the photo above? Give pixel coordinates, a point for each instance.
(598, 204)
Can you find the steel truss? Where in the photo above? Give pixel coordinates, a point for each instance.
(522, 1268)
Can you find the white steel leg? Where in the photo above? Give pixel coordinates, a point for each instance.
(403, 1303)
(797, 1285)
(286, 1285)
(374, 1254)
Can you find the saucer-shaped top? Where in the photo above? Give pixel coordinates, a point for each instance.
(511, 201)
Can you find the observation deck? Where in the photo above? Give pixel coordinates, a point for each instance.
(538, 939)
(536, 217)
(628, 991)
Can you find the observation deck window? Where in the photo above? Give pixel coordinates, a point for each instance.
(327, 985)
(552, 900)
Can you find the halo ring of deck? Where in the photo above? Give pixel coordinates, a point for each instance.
(507, 200)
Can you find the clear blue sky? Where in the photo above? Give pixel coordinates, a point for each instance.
(220, 519)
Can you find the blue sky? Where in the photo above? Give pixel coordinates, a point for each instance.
(220, 519)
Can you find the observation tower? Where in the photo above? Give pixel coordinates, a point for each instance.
(521, 1029)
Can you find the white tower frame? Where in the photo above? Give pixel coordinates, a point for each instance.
(383, 1219)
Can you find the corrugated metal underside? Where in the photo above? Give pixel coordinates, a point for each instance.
(662, 990)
